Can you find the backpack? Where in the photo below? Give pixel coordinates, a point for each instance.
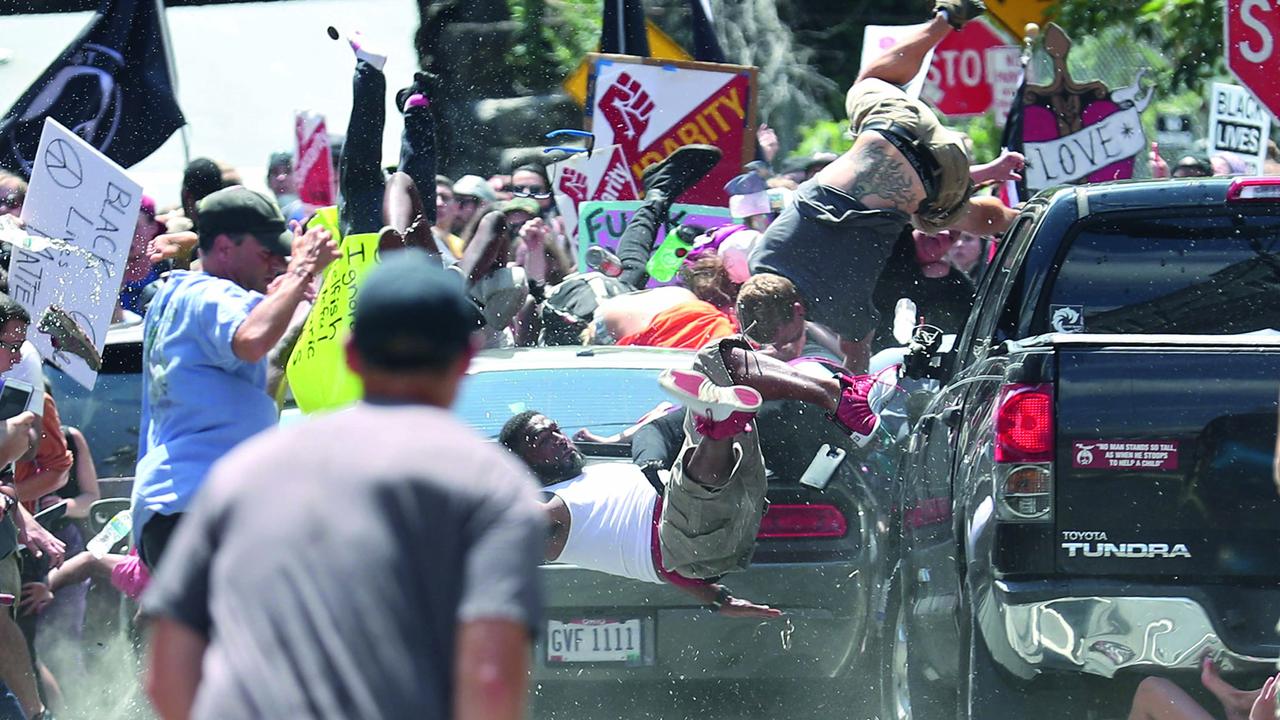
(571, 306)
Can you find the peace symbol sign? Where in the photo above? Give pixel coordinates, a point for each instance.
(63, 165)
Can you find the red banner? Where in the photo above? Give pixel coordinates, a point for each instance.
(317, 181)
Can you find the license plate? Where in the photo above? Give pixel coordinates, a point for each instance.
(595, 640)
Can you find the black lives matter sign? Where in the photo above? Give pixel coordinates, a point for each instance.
(1238, 123)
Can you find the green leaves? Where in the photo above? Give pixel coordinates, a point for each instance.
(1187, 33)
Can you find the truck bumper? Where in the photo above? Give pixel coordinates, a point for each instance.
(1102, 635)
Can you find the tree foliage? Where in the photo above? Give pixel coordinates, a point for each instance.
(551, 38)
(1188, 33)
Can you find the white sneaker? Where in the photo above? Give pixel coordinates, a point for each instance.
(715, 402)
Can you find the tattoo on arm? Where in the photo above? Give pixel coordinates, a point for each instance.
(279, 359)
(884, 176)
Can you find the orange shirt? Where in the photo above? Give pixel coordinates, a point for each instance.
(687, 326)
(52, 453)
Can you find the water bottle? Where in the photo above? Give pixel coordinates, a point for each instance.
(904, 320)
(667, 259)
(115, 531)
(603, 261)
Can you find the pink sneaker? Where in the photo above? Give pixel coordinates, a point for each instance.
(365, 50)
(853, 411)
(706, 399)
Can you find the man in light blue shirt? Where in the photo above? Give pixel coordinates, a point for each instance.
(206, 340)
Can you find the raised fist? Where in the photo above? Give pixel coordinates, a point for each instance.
(574, 185)
(627, 107)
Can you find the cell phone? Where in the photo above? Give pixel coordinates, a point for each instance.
(51, 515)
(14, 397)
(824, 466)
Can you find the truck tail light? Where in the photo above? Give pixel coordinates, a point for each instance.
(1024, 453)
(1254, 189)
(802, 522)
(1024, 424)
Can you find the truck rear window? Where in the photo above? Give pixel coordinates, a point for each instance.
(1211, 273)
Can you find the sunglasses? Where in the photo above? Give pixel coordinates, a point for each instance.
(528, 191)
(11, 347)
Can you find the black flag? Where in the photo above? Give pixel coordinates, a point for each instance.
(1013, 193)
(705, 45)
(623, 31)
(111, 86)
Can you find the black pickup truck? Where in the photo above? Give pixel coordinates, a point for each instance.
(1088, 498)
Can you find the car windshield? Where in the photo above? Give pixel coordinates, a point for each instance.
(606, 400)
(108, 416)
(1210, 273)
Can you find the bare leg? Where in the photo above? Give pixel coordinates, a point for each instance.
(711, 462)
(857, 354)
(52, 690)
(15, 666)
(402, 210)
(903, 63)
(776, 380)
(487, 247)
(1160, 699)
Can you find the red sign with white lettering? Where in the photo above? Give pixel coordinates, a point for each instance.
(969, 69)
(1252, 28)
(1125, 455)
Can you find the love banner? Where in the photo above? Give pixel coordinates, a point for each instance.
(1075, 131)
(650, 107)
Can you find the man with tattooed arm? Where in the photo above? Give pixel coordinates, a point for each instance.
(904, 167)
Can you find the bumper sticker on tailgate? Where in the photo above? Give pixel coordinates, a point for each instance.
(1125, 454)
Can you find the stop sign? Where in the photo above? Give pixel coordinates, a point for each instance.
(967, 71)
(1252, 28)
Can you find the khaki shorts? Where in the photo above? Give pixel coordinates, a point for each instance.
(10, 580)
(705, 533)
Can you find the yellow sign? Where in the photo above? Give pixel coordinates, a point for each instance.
(660, 46)
(317, 369)
(1015, 14)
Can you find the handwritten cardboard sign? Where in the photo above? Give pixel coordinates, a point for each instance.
(317, 370)
(651, 107)
(1239, 124)
(79, 195)
(602, 223)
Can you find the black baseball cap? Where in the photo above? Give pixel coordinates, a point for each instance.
(238, 209)
(411, 313)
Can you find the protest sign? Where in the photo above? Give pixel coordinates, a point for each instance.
(880, 39)
(1079, 131)
(1238, 124)
(317, 370)
(79, 196)
(969, 68)
(313, 171)
(651, 107)
(604, 175)
(602, 223)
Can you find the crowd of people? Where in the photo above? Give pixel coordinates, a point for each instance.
(786, 302)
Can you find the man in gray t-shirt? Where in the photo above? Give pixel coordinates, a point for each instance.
(376, 563)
